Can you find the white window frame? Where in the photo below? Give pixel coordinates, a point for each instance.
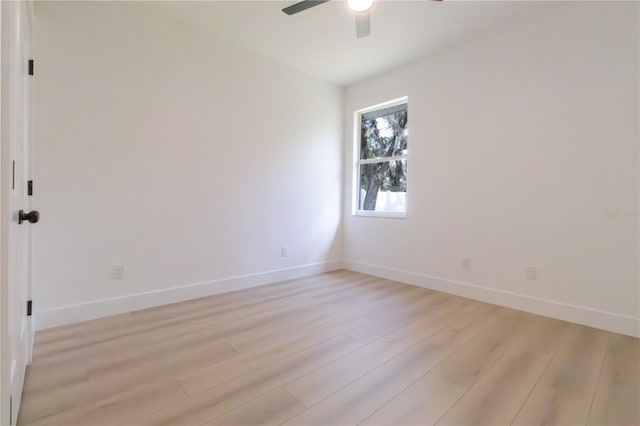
(355, 197)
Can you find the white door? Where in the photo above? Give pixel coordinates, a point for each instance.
(16, 205)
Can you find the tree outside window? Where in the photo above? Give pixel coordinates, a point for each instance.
(382, 165)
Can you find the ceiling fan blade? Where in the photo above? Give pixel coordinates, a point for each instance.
(301, 6)
(363, 24)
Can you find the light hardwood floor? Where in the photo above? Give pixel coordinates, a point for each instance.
(340, 348)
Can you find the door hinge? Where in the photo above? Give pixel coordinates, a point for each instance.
(30, 66)
(10, 409)
(30, 188)
(29, 307)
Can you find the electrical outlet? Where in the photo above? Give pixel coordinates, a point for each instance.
(283, 252)
(466, 263)
(117, 272)
(531, 273)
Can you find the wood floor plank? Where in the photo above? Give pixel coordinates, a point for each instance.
(357, 401)
(121, 407)
(352, 347)
(165, 364)
(322, 382)
(209, 377)
(120, 378)
(332, 324)
(222, 399)
(397, 316)
(258, 353)
(422, 403)
(617, 398)
(42, 379)
(566, 388)
(78, 352)
(467, 326)
(273, 408)
(499, 393)
(65, 398)
(474, 358)
(547, 406)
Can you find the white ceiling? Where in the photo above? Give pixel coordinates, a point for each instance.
(322, 42)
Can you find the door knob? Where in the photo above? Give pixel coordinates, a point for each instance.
(31, 217)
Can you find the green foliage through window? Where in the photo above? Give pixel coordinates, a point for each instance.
(383, 136)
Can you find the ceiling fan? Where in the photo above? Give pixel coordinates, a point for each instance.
(361, 8)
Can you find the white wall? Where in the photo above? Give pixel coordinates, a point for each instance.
(183, 159)
(519, 143)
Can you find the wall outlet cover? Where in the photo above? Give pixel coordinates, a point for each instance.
(466, 263)
(117, 272)
(531, 273)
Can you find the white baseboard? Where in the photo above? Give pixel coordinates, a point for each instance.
(101, 308)
(578, 314)
(118, 305)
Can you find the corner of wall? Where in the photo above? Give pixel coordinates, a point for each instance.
(118, 305)
(563, 311)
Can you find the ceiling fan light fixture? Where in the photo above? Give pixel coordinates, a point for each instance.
(360, 5)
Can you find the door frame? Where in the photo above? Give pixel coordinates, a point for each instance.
(6, 216)
(4, 402)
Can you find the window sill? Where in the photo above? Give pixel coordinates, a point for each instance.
(370, 213)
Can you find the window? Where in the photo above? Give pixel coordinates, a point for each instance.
(380, 174)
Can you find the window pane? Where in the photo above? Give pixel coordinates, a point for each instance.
(384, 135)
(383, 186)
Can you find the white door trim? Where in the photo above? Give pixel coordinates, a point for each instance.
(10, 20)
